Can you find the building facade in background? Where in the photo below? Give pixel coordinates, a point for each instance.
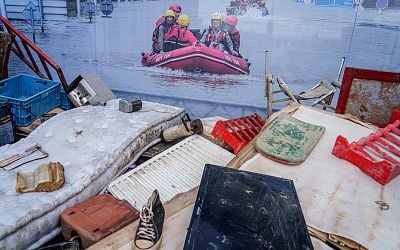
(52, 9)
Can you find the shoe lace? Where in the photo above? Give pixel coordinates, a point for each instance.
(146, 228)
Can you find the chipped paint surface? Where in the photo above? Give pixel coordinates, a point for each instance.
(373, 101)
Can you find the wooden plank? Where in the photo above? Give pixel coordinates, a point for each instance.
(37, 122)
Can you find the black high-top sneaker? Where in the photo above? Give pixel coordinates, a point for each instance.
(149, 232)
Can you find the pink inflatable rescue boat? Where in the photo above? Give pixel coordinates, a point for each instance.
(198, 58)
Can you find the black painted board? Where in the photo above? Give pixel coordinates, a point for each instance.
(237, 209)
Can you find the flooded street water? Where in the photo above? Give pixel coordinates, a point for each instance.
(306, 44)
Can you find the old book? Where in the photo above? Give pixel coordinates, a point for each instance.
(45, 178)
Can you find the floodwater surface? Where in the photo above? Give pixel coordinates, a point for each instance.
(305, 44)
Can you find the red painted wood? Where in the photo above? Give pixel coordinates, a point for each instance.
(351, 73)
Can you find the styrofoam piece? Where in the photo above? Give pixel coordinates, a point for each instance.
(176, 170)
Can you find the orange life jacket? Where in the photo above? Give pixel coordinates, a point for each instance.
(155, 32)
(210, 37)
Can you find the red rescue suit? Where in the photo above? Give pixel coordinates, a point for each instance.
(235, 37)
(178, 37)
(156, 46)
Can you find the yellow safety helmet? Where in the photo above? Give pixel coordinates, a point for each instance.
(184, 20)
(216, 16)
(169, 13)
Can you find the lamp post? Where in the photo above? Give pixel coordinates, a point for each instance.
(78, 8)
(41, 15)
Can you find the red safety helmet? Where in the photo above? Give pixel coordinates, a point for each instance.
(175, 8)
(231, 20)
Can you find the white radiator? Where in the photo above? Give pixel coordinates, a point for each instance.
(176, 170)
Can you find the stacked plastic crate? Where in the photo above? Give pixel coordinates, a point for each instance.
(30, 97)
(65, 102)
(6, 128)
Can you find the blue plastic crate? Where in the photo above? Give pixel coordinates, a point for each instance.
(65, 102)
(5, 110)
(6, 132)
(30, 97)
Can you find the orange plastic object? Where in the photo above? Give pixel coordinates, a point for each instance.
(237, 133)
(96, 218)
(377, 155)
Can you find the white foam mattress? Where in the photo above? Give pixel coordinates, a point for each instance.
(109, 139)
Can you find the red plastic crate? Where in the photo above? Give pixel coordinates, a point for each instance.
(96, 218)
(237, 133)
(377, 155)
(394, 116)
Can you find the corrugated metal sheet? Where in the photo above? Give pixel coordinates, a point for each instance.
(53, 9)
(176, 170)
